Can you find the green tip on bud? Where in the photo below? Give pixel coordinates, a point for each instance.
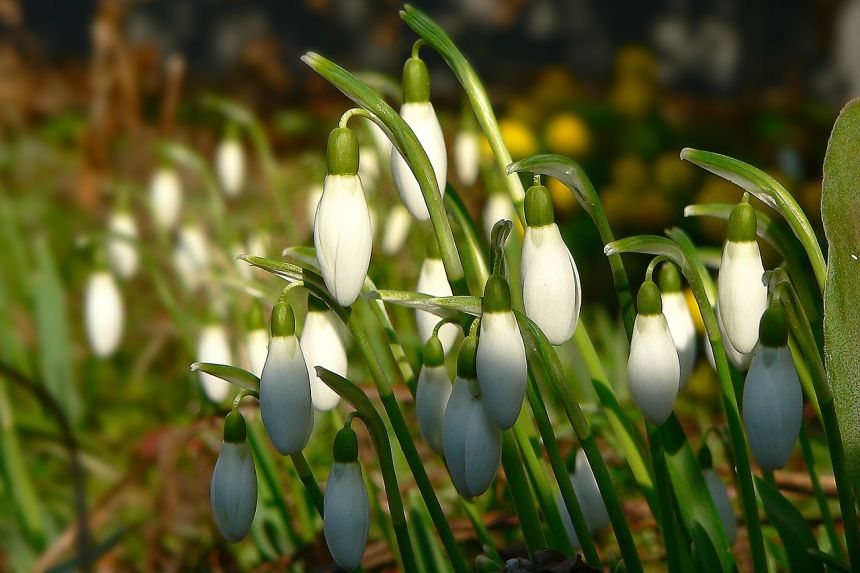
(316, 304)
(538, 206)
(773, 328)
(497, 295)
(235, 430)
(466, 358)
(648, 300)
(283, 319)
(433, 247)
(742, 223)
(342, 152)
(706, 461)
(345, 446)
(434, 354)
(670, 278)
(255, 320)
(416, 81)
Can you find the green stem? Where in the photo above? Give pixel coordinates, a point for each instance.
(483, 534)
(820, 498)
(307, 477)
(666, 519)
(521, 494)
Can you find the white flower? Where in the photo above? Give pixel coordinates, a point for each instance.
(233, 492)
(104, 314)
(342, 237)
(432, 280)
(397, 226)
(314, 195)
(552, 293)
(230, 166)
(497, 208)
(322, 346)
(257, 341)
(165, 196)
(346, 514)
(421, 117)
(191, 256)
(432, 395)
(589, 498)
(467, 155)
(720, 495)
(737, 359)
(214, 347)
(285, 394)
(683, 331)
(380, 140)
(368, 168)
(122, 248)
(772, 406)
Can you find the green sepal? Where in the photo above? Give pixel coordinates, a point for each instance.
(773, 327)
(342, 152)
(497, 295)
(316, 304)
(434, 354)
(742, 223)
(538, 206)
(669, 278)
(648, 300)
(345, 446)
(466, 358)
(416, 81)
(235, 429)
(283, 319)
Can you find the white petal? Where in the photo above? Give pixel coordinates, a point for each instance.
(122, 250)
(258, 348)
(396, 229)
(568, 522)
(743, 296)
(588, 494)
(431, 399)
(104, 313)
(165, 196)
(467, 154)
(285, 396)
(191, 256)
(720, 495)
(683, 331)
(314, 196)
(772, 406)
(483, 449)
(739, 360)
(368, 167)
(498, 207)
(322, 346)
(432, 280)
(213, 346)
(230, 166)
(653, 369)
(421, 117)
(380, 140)
(346, 511)
(550, 282)
(454, 424)
(342, 237)
(502, 369)
(233, 492)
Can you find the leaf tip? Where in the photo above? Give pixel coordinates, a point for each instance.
(195, 367)
(685, 153)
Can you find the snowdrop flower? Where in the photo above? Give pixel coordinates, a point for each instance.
(396, 230)
(165, 197)
(121, 249)
(432, 280)
(285, 388)
(773, 399)
(103, 312)
(368, 167)
(589, 498)
(322, 346)
(680, 321)
(256, 341)
(214, 347)
(233, 492)
(497, 208)
(418, 113)
(467, 155)
(191, 256)
(314, 196)
(739, 360)
(380, 140)
(471, 441)
(342, 232)
(501, 362)
(230, 165)
(431, 397)
(719, 494)
(346, 505)
(552, 293)
(743, 296)
(653, 369)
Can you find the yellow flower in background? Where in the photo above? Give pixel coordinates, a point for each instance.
(694, 311)
(562, 198)
(632, 98)
(671, 174)
(567, 134)
(554, 87)
(630, 172)
(518, 137)
(635, 63)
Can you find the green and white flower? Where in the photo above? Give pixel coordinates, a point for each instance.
(498, 207)
(467, 155)
(589, 498)
(433, 280)
(213, 346)
(680, 321)
(322, 346)
(191, 256)
(256, 340)
(397, 225)
(104, 313)
(233, 491)
(121, 249)
(346, 505)
(432, 394)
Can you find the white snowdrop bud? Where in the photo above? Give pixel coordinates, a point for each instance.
(285, 389)
(314, 195)
(233, 492)
(432, 394)
(213, 346)
(165, 197)
(368, 168)
(433, 280)
(552, 293)
(346, 505)
(121, 248)
(589, 498)
(773, 399)
(256, 340)
(719, 493)
(418, 113)
(230, 165)
(342, 232)
(380, 140)
(191, 256)
(680, 321)
(739, 360)
(497, 208)
(743, 295)
(467, 155)
(653, 369)
(396, 230)
(501, 362)
(104, 313)
(471, 441)
(322, 346)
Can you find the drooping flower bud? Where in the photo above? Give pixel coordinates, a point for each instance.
(589, 498)
(501, 362)
(165, 197)
(680, 321)
(471, 441)
(653, 369)
(313, 201)
(380, 140)
(322, 346)
(497, 208)
(191, 256)
(368, 168)
(418, 113)
(121, 248)
(743, 295)
(233, 492)
(773, 399)
(230, 165)
(104, 313)
(433, 280)
(719, 494)
(432, 394)
(256, 340)
(342, 230)
(214, 347)
(346, 506)
(467, 155)
(552, 293)
(396, 230)
(285, 388)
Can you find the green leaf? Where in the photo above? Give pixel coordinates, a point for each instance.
(793, 529)
(840, 205)
(232, 374)
(443, 306)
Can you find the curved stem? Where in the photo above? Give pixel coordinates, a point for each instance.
(820, 498)
(524, 504)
